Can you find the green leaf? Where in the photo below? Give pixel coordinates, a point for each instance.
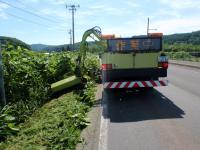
(9, 118)
(11, 126)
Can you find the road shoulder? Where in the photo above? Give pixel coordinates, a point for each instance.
(185, 63)
(90, 135)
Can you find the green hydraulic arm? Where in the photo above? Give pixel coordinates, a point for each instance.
(74, 80)
(93, 32)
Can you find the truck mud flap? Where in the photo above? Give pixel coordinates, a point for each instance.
(135, 84)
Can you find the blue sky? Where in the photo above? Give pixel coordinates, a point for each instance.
(123, 18)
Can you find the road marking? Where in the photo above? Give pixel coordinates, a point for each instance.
(103, 137)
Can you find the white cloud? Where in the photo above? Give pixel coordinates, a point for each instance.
(3, 15)
(168, 13)
(108, 10)
(132, 3)
(3, 7)
(177, 25)
(55, 13)
(102, 8)
(182, 4)
(54, 2)
(57, 2)
(33, 1)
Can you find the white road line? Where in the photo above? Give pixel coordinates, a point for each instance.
(103, 137)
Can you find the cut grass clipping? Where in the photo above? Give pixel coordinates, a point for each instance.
(56, 125)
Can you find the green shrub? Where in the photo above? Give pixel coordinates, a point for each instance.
(28, 76)
(181, 55)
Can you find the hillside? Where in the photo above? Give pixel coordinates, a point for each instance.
(185, 38)
(38, 47)
(15, 42)
(49, 48)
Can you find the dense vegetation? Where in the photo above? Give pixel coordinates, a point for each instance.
(179, 51)
(28, 76)
(186, 38)
(185, 46)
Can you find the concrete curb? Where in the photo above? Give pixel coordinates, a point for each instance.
(184, 64)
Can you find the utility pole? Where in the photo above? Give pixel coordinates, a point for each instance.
(70, 38)
(72, 8)
(148, 29)
(2, 90)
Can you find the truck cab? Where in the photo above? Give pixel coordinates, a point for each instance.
(135, 62)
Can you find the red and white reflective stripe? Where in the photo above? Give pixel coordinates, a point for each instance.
(135, 84)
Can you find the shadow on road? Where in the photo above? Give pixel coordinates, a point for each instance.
(139, 106)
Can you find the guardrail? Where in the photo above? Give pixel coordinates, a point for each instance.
(196, 54)
(185, 63)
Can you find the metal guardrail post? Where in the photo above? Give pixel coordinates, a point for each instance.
(2, 89)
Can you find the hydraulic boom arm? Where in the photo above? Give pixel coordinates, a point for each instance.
(93, 32)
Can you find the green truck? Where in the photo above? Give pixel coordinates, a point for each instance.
(136, 62)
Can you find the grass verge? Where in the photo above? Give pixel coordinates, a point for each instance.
(56, 125)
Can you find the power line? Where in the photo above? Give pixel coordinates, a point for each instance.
(73, 9)
(34, 9)
(28, 12)
(30, 21)
(22, 3)
(27, 20)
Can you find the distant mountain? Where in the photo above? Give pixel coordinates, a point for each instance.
(186, 38)
(50, 48)
(15, 42)
(38, 47)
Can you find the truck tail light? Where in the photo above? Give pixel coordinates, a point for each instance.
(106, 66)
(163, 62)
(163, 65)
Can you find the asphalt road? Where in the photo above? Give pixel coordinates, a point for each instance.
(166, 118)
